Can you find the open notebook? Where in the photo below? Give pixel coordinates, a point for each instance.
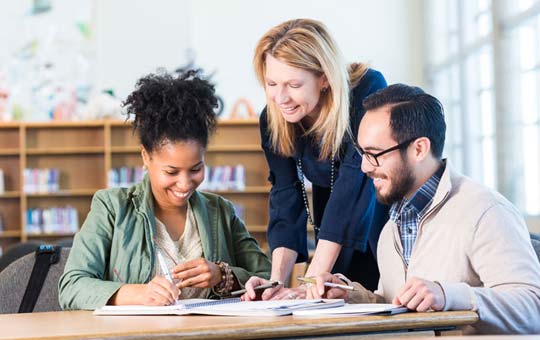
(355, 309)
(230, 307)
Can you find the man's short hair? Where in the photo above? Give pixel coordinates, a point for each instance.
(413, 114)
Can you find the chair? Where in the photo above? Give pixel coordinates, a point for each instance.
(14, 278)
(535, 240)
(17, 251)
(65, 242)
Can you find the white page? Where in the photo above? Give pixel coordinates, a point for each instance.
(267, 308)
(180, 307)
(222, 307)
(355, 309)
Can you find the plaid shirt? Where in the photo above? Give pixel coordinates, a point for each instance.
(407, 213)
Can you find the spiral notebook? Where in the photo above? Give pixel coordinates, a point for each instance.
(181, 307)
(229, 307)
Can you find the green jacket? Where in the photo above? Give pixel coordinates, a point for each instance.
(118, 233)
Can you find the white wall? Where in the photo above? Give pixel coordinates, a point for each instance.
(135, 36)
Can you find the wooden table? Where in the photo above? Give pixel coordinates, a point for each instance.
(82, 324)
(472, 337)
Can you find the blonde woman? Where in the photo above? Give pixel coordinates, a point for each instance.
(308, 129)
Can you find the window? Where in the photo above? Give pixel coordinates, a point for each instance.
(527, 37)
(483, 63)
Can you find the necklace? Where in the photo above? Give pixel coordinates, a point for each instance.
(316, 228)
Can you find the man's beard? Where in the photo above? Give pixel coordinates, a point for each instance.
(401, 181)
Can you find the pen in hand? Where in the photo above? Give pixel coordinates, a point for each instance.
(327, 284)
(261, 287)
(164, 267)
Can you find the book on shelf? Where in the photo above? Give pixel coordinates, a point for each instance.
(239, 182)
(224, 177)
(41, 180)
(2, 186)
(53, 220)
(125, 176)
(355, 309)
(226, 307)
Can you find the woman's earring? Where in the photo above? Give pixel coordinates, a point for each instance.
(324, 89)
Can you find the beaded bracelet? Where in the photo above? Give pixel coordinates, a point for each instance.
(227, 279)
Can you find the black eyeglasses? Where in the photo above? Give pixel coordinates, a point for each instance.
(373, 158)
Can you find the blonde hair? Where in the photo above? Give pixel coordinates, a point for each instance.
(306, 44)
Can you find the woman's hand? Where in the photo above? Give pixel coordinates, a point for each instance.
(158, 292)
(199, 273)
(290, 294)
(251, 294)
(319, 290)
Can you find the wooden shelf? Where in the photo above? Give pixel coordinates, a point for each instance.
(9, 152)
(234, 148)
(52, 235)
(238, 122)
(126, 149)
(10, 233)
(58, 124)
(249, 190)
(66, 151)
(211, 148)
(256, 228)
(84, 152)
(10, 194)
(63, 193)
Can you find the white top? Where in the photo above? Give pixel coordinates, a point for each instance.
(187, 247)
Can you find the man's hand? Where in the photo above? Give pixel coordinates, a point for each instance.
(420, 295)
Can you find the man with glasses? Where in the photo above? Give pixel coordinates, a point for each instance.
(450, 243)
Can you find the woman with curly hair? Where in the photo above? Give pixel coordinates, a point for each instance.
(129, 232)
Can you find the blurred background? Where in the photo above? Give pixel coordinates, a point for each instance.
(78, 59)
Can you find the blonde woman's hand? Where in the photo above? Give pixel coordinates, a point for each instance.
(290, 294)
(319, 290)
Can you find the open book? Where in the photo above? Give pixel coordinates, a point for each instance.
(230, 307)
(355, 309)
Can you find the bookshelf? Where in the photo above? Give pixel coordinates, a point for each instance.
(84, 152)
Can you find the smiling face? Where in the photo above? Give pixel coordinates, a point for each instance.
(394, 179)
(295, 91)
(175, 170)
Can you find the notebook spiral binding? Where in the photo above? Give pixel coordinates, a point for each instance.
(211, 303)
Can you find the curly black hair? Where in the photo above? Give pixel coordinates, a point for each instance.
(172, 108)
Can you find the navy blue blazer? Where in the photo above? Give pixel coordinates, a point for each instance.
(350, 209)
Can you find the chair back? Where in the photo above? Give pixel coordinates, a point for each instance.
(536, 246)
(17, 251)
(14, 279)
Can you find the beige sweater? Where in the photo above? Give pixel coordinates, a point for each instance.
(477, 246)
